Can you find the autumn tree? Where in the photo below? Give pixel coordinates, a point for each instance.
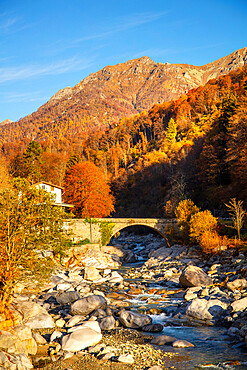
(4, 175)
(87, 189)
(200, 223)
(237, 213)
(184, 212)
(32, 156)
(29, 223)
(171, 131)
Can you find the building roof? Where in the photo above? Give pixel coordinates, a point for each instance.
(50, 184)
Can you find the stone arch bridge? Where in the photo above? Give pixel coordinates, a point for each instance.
(100, 230)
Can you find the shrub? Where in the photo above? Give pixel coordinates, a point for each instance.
(212, 242)
(184, 211)
(200, 223)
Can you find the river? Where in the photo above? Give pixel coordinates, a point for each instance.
(212, 347)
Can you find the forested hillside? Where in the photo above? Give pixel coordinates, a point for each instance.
(193, 147)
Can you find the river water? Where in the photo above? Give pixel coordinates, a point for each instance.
(212, 347)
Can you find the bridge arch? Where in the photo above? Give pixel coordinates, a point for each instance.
(119, 228)
(82, 229)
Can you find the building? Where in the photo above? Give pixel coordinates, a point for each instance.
(56, 190)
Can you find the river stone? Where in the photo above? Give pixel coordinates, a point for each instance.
(126, 359)
(68, 297)
(153, 328)
(114, 278)
(12, 342)
(24, 333)
(182, 344)
(94, 325)
(39, 338)
(56, 334)
(134, 320)
(107, 323)
(63, 286)
(243, 331)
(202, 309)
(34, 315)
(91, 273)
(194, 276)
(88, 304)
(74, 320)
(239, 305)
(163, 339)
(13, 362)
(237, 284)
(80, 339)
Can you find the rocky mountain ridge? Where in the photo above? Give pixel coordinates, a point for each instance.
(124, 89)
(153, 82)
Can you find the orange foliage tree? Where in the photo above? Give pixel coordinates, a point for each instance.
(87, 189)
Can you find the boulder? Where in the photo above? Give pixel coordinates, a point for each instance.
(153, 328)
(74, 320)
(88, 304)
(34, 315)
(129, 257)
(91, 273)
(91, 324)
(163, 339)
(194, 276)
(182, 344)
(191, 293)
(80, 339)
(134, 320)
(237, 284)
(114, 277)
(202, 309)
(239, 305)
(63, 286)
(107, 323)
(68, 297)
(24, 333)
(13, 362)
(39, 338)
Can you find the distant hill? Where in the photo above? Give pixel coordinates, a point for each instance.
(104, 97)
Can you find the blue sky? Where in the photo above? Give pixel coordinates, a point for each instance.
(50, 44)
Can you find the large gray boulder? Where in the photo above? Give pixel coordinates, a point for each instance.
(68, 297)
(107, 323)
(202, 309)
(88, 304)
(194, 276)
(160, 340)
(134, 320)
(80, 339)
(34, 315)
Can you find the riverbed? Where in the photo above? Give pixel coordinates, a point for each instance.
(151, 287)
(212, 346)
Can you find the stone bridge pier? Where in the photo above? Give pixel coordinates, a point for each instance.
(102, 229)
